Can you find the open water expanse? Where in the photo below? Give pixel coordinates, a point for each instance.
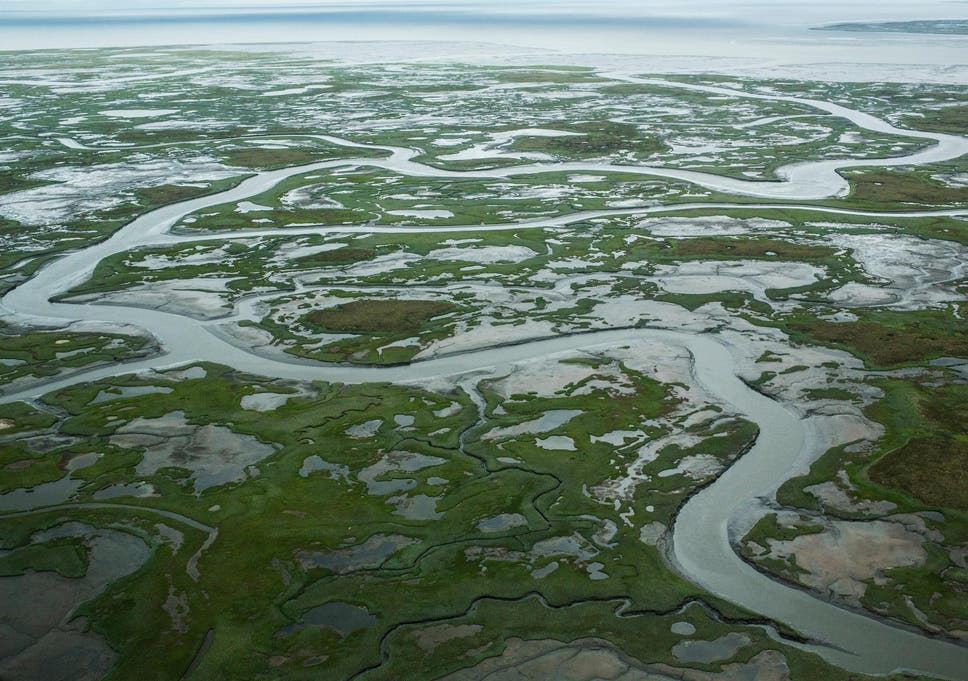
(674, 35)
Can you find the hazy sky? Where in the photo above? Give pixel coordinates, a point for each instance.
(767, 11)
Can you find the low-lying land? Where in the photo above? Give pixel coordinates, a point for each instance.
(468, 517)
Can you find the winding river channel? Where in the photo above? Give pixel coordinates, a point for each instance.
(701, 543)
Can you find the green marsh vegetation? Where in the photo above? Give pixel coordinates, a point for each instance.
(884, 338)
(272, 159)
(885, 188)
(949, 119)
(927, 456)
(917, 466)
(593, 139)
(388, 316)
(411, 471)
(282, 521)
(40, 354)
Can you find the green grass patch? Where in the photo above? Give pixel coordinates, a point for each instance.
(269, 158)
(950, 119)
(379, 316)
(888, 338)
(933, 470)
(22, 468)
(41, 353)
(17, 417)
(562, 75)
(67, 557)
(891, 186)
(595, 138)
(337, 256)
(773, 249)
(169, 193)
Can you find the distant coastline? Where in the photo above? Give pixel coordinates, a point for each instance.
(933, 26)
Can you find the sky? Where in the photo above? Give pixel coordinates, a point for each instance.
(767, 11)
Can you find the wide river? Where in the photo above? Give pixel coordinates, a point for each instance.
(701, 544)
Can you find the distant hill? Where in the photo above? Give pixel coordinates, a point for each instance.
(935, 26)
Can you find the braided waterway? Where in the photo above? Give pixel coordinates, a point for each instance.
(701, 543)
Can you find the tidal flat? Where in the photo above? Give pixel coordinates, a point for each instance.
(450, 371)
